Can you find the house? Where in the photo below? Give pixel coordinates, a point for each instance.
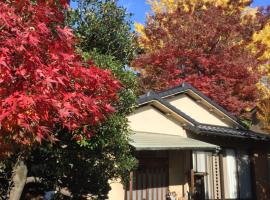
(188, 147)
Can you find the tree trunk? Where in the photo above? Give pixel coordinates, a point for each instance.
(19, 176)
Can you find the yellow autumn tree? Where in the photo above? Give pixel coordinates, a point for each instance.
(263, 114)
(263, 107)
(168, 6)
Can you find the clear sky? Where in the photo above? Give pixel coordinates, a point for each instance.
(139, 7)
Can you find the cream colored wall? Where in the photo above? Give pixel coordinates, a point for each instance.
(196, 110)
(178, 173)
(117, 191)
(149, 119)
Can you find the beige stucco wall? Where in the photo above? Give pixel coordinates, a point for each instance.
(117, 191)
(149, 119)
(196, 110)
(179, 168)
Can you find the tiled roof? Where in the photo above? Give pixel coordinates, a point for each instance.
(197, 127)
(228, 132)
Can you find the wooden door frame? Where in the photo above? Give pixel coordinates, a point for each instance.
(151, 164)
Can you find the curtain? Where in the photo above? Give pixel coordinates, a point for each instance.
(199, 161)
(231, 174)
(244, 172)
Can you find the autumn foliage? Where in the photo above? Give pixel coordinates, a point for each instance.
(44, 85)
(205, 45)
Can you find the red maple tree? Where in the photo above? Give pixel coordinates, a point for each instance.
(44, 84)
(206, 46)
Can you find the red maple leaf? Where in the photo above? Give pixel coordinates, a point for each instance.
(44, 84)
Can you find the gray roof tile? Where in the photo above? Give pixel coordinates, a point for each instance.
(228, 132)
(197, 127)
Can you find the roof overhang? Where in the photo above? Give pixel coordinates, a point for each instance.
(221, 131)
(142, 141)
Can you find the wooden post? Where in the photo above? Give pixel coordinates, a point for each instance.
(146, 186)
(152, 184)
(131, 186)
(192, 183)
(221, 176)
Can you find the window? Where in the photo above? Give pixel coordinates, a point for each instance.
(230, 174)
(206, 162)
(237, 175)
(244, 173)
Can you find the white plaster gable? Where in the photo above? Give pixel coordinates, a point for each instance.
(199, 111)
(149, 119)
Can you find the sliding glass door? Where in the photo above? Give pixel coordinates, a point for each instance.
(234, 181)
(237, 175)
(244, 173)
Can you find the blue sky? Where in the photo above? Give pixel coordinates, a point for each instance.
(139, 7)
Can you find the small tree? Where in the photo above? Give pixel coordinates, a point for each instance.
(45, 86)
(104, 26)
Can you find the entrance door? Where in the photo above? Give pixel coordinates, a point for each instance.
(149, 181)
(198, 187)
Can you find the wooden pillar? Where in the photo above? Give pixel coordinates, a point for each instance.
(131, 186)
(221, 174)
(260, 171)
(192, 184)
